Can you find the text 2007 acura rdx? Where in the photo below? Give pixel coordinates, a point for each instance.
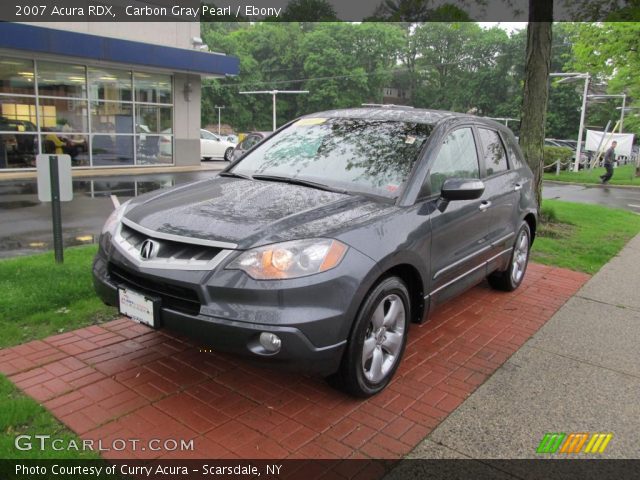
(318, 247)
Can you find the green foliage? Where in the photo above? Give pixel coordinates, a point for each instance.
(554, 154)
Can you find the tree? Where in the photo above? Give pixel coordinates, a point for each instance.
(536, 88)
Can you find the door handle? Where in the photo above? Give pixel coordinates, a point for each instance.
(484, 205)
(517, 187)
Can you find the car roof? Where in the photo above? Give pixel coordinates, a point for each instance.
(402, 113)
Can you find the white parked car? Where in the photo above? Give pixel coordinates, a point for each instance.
(211, 145)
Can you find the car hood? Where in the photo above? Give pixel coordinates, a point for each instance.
(251, 213)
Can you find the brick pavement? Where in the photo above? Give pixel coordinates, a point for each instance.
(121, 380)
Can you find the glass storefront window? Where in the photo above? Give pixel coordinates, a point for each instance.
(63, 115)
(16, 76)
(154, 149)
(76, 146)
(111, 117)
(99, 116)
(153, 118)
(112, 150)
(17, 114)
(109, 84)
(62, 80)
(18, 150)
(152, 88)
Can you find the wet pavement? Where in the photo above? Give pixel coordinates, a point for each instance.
(26, 222)
(616, 197)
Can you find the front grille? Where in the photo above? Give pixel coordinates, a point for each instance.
(174, 297)
(169, 250)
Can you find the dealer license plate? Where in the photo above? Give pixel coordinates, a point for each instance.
(138, 307)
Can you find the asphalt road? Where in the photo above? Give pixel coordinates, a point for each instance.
(25, 223)
(627, 198)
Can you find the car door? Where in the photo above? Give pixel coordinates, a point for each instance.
(459, 229)
(502, 190)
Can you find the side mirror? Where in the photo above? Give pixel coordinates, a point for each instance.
(461, 189)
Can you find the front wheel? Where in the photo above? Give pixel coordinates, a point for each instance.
(227, 154)
(377, 340)
(511, 278)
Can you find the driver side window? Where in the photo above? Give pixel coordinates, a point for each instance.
(457, 158)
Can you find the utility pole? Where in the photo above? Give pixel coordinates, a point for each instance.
(571, 77)
(273, 93)
(219, 109)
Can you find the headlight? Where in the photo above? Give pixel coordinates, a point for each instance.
(114, 219)
(290, 259)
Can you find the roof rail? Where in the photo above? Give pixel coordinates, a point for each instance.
(385, 105)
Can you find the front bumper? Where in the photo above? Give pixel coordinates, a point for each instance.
(312, 315)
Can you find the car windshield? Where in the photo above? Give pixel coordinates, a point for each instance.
(367, 156)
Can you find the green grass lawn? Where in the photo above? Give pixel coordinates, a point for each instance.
(21, 415)
(41, 298)
(623, 175)
(582, 237)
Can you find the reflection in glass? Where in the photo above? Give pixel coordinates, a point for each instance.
(63, 115)
(352, 154)
(109, 84)
(153, 119)
(154, 149)
(17, 114)
(62, 80)
(152, 87)
(112, 150)
(495, 157)
(16, 76)
(457, 158)
(110, 117)
(18, 150)
(76, 146)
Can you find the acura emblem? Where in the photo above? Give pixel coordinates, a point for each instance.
(149, 249)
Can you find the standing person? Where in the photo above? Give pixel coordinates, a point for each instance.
(609, 157)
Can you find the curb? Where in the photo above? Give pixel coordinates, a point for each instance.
(596, 185)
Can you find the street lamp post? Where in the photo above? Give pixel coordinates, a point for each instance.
(573, 76)
(219, 109)
(274, 93)
(624, 103)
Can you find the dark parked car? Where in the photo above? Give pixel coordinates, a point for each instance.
(317, 249)
(247, 143)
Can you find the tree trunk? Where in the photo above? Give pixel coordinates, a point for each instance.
(536, 88)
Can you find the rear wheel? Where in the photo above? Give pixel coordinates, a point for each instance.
(206, 159)
(377, 340)
(511, 278)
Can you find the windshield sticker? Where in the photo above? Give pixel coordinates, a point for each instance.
(410, 140)
(310, 121)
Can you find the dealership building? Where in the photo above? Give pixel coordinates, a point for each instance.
(107, 94)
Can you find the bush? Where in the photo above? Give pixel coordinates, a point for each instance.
(553, 154)
(548, 214)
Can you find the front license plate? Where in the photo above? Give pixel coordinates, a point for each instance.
(138, 307)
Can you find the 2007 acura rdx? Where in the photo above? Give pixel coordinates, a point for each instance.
(319, 246)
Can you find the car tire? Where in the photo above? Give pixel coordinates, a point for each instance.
(511, 278)
(377, 341)
(227, 154)
(206, 159)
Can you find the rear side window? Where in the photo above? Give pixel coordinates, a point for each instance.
(495, 158)
(515, 155)
(249, 142)
(457, 158)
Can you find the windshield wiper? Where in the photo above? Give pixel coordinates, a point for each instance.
(298, 181)
(234, 175)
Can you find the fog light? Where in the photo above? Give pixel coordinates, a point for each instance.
(270, 341)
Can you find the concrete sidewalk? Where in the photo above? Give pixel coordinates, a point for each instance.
(579, 373)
